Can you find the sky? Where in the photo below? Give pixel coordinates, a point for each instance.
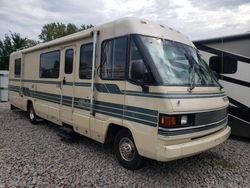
(197, 19)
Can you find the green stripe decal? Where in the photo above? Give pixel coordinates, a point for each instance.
(131, 113)
(114, 89)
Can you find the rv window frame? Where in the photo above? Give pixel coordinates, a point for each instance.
(126, 62)
(15, 61)
(72, 64)
(59, 63)
(80, 55)
(149, 62)
(146, 61)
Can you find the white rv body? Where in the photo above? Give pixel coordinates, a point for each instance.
(99, 99)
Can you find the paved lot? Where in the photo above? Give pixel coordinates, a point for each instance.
(35, 156)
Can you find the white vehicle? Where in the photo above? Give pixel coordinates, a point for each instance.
(131, 82)
(229, 57)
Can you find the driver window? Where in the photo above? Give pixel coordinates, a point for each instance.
(136, 58)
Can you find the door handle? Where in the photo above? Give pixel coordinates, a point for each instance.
(64, 80)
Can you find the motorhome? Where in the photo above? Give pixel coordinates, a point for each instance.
(229, 57)
(136, 84)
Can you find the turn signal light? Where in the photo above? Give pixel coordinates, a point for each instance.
(167, 121)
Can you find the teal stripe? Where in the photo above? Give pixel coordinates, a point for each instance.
(78, 84)
(37, 81)
(141, 110)
(113, 105)
(81, 107)
(54, 82)
(14, 90)
(114, 89)
(3, 88)
(128, 108)
(111, 109)
(148, 119)
(174, 95)
(82, 84)
(47, 99)
(82, 102)
(141, 116)
(101, 88)
(52, 96)
(141, 121)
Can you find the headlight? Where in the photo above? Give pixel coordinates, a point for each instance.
(184, 120)
(176, 120)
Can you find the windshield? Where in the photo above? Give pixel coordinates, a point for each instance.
(177, 63)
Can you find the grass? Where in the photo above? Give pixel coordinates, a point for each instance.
(226, 164)
(1, 146)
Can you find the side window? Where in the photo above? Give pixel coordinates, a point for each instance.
(69, 57)
(17, 67)
(114, 57)
(86, 56)
(50, 64)
(137, 68)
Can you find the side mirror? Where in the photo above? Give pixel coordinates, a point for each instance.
(223, 65)
(137, 70)
(138, 74)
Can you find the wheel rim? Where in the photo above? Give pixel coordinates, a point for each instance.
(127, 149)
(32, 115)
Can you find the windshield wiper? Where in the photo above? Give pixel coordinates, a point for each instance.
(193, 64)
(217, 81)
(192, 81)
(213, 76)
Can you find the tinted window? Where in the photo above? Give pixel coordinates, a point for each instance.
(86, 54)
(17, 67)
(114, 57)
(69, 56)
(50, 64)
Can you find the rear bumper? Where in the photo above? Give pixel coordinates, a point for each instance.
(177, 151)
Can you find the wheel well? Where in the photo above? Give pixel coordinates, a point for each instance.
(113, 129)
(28, 104)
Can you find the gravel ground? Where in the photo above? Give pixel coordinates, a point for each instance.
(35, 156)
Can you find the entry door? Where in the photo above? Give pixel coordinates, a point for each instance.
(67, 85)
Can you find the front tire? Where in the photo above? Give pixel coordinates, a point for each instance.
(32, 114)
(126, 152)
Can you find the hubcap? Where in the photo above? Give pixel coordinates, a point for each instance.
(127, 149)
(32, 114)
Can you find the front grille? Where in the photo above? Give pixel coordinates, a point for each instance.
(210, 117)
(202, 121)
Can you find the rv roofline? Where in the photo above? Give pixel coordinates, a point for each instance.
(69, 38)
(223, 38)
(132, 27)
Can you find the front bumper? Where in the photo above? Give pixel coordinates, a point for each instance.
(198, 145)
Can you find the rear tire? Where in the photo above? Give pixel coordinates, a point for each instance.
(32, 114)
(126, 152)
